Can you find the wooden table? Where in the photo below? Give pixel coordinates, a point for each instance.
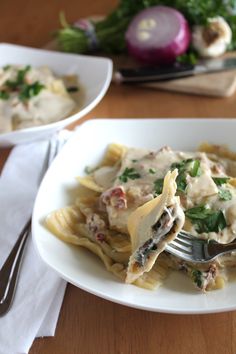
(88, 324)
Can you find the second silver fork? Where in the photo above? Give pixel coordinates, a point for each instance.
(10, 269)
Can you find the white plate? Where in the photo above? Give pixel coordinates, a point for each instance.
(94, 76)
(85, 270)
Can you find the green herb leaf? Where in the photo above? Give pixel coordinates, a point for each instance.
(6, 67)
(181, 182)
(89, 169)
(220, 180)
(224, 194)
(197, 277)
(152, 171)
(158, 186)
(4, 95)
(188, 58)
(21, 74)
(195, 169)
(185, 166)
(206, 219)
(129, 173)
(29, 91)
(14, 85)
(182, 165)
(11, 84)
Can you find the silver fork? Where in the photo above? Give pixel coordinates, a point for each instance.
(10, 269)
(192, 249)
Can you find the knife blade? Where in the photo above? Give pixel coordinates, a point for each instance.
(176, 71)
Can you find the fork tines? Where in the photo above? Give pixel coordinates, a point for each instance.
(187, 247)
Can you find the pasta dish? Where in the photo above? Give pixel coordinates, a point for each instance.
(135, 202)
(34, 96)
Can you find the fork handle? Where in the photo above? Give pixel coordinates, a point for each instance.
(10, 270)
(216, 248)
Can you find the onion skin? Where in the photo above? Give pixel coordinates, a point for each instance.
(163, 50)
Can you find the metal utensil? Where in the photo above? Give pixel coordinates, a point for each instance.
(10, 269)
(192, 249)
(176, 71)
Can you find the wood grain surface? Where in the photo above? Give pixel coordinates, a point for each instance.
(88, 324)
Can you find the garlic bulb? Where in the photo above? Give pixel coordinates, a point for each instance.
(212, 40)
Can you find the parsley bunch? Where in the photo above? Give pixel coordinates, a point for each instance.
(110, 32)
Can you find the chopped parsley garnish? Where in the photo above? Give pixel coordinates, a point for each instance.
(4, 95)
(185, 166)
(152, 171)
(197, 277)
(21, 74)
(158, 185)
(195, 169)
(206, 219)
(182, 165)
(29, 91)
(6, 67)
(129, 173)
(89, 169)
(220, 180)
(224, 194)
(134, 160)
(181, 182)
(15, 85)
(25, 91)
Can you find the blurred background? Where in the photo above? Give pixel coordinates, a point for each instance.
(36, 21)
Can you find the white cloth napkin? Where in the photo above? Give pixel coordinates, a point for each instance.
(40, 290)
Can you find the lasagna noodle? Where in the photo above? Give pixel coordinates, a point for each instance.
(114, 153)
(218, 150)
(89, 183)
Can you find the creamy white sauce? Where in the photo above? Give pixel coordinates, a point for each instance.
(200, 190)
(51, 104)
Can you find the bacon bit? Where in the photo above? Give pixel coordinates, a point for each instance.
(95, 223)
(211, 272)
(26, 104)
(118, 192)
(183, 267)
(217, 168)
(115, 197)
(100, 237)
(151, 155)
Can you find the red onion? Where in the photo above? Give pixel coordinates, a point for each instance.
(158, 35)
